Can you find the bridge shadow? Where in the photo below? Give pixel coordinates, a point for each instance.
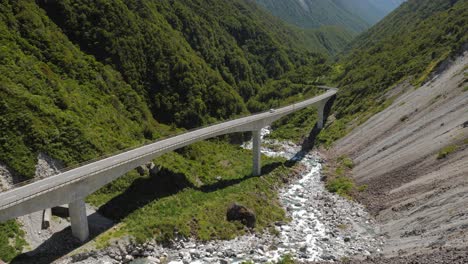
(143, 191)
(61, 243)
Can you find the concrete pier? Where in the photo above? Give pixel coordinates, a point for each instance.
(257, 154)
(320, 111)
(79, 219)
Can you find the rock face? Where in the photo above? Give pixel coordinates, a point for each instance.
(47, 166)
(6, 178)
(237, 212)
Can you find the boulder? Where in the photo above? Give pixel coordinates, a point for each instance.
(141, 170)
(237, 212)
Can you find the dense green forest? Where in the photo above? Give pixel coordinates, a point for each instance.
(193, 61)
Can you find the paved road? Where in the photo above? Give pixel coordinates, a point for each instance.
(23, 193)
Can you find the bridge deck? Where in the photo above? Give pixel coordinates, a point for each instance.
(20, 194)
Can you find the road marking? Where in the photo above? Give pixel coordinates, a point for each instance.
(43, 185)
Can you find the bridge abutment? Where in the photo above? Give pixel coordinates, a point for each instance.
(79, 219)
(257, 154)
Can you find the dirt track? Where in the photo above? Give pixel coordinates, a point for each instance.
(420, 201)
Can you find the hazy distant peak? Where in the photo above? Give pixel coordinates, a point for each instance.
(304, 5)
(354, 15)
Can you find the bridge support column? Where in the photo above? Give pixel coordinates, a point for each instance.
(257, 163)
(79, 219)
(320, 111)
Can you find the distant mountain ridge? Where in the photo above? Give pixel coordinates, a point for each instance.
(353, 15)
(371, 11)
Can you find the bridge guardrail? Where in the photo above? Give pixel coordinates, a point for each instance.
(134, 158)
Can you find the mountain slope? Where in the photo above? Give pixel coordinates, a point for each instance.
(314, 14)
(413, 159)
(194, 61)
(409, 44)
(83, 79)
(352, 15)
(58, 100)
(371, 11)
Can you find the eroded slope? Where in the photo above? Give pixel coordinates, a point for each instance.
(414, 158)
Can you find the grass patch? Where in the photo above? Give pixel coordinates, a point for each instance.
(338, 180)
(295, 126)
(286, 259)
(444, 152)
(11, 240)
(346, 161)
(341, 186)
(362, 188)
(191, 193)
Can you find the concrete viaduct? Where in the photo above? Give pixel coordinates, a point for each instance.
(71, 187)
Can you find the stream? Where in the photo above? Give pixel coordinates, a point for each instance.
(323, 226)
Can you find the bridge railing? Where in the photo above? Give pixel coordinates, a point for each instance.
(178, 133)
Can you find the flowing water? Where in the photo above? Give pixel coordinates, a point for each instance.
(323, 226)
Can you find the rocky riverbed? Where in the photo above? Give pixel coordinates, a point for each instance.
(322, 226)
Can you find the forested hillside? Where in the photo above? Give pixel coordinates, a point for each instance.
(193, 61)
(314, 14)
(353, 15)
(408, 45)
(81, 79)
(57, 99)
(77, 84)
(371, 11)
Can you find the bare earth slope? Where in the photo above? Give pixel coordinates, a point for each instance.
(420, 200)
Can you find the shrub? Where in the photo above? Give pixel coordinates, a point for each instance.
(341, 186)
(443, 153)
(286, 259)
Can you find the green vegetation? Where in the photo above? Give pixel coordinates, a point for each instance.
(193, 62)
(341, 185)
(346, 161)
(338, 179)
(295, 126)
(76, 84)
(407, 45)
(99, 88)
(191, 193)
(58, 100)
(314, 14)
(286, 259)
(11, 240)
(444, 152)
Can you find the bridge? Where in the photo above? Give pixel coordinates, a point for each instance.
(71, 187)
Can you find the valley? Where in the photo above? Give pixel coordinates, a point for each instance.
(381, 178)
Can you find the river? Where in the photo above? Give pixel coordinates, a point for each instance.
(322, 226)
